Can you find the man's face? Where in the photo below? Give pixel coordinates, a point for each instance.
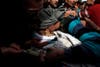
(71, 2)
(54, 3)
(90, 2)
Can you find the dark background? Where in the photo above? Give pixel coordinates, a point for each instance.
(14, 26)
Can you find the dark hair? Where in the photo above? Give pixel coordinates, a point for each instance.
(97, 1)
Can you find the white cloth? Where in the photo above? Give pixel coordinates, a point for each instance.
(44, 38)
(64, 40)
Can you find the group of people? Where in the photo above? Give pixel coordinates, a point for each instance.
(65, 33)
(63, 30)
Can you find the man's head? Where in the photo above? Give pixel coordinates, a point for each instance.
(90, 2)
(53, 3)
(71, 2)
(48, 21)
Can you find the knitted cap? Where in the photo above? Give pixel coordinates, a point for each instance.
(46, 19)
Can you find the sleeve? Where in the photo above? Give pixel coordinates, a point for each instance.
(79, 54)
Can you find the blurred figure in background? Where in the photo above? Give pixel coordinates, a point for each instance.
(94, 13)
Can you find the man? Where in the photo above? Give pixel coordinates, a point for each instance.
(70, 3)
(94, 14)
(85, 50)
(49, 26)
(60, 12)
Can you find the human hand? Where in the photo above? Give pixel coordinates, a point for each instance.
(70, 12)
(73, 13)
(67, 13)
(98, 28)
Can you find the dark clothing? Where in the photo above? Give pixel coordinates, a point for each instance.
(90, 47)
